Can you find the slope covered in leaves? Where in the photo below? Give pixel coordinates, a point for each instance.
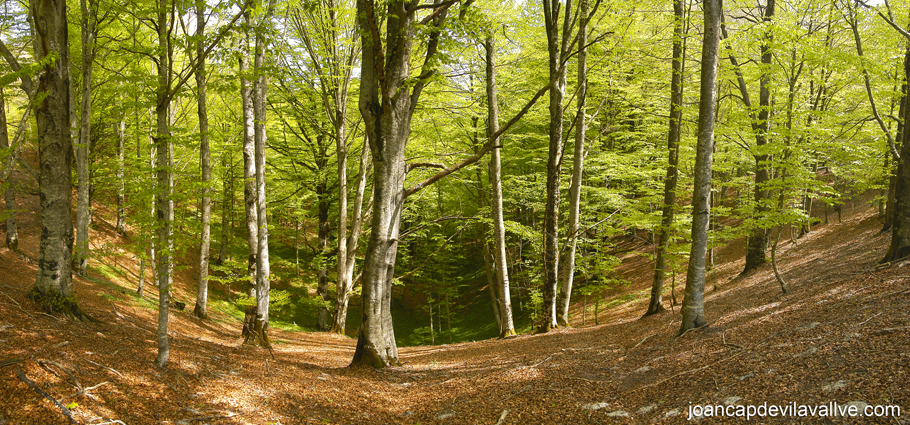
(839, 334)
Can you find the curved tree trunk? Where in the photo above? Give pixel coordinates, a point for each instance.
(673, 136)
(693, 308)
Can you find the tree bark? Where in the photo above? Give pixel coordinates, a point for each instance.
(9, 193)
(164, 204)
(83, 148)
(664, 232)
(506, 324)
(900, 231)
(227, 207)
(120, 226)
(578, 158)
(557, 48)
(345, 281)
(249, 182)
(693, 308)
(758, 238)
(322, 245)
(205, 162)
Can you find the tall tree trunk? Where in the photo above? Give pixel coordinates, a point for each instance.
(506, 324)
(693, 308)
(120, 226)
(664, 232)
(557, 47)
(164, 205)
(758, 238)
(205, 162)
(578, 157)
(345, 280)
(900, 233)
(249, 184)
(83, 148)
(227, 207)
(9, 193)
(54, 286)
(322, 245)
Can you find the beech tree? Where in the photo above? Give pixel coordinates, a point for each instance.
(693, 308)
(54, 287)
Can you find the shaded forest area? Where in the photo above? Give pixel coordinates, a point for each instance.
(256, 183)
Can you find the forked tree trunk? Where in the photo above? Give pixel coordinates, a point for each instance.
(506, 324)
(205, 162)
(557, 47)
(664, 232)
(54, 286)
(9, 193)
(578, 157)
(83, 148)
(345, 280)
(693, 308)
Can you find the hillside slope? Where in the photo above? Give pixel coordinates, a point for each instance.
(839, 334)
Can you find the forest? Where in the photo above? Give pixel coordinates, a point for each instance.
(533, 178)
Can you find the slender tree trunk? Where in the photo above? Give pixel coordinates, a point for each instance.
(693, 309)
(249, 185)
(506, 324)
(83, 148)
(758, 238)
(120, 227)
(322, 278)
(164, 206)
(665, 230)
(205, 162)
(346, 278)
(9, 193)
(557, 47)
(578, 157)
(227, 206)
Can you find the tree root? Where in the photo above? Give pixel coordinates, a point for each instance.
(53, 303)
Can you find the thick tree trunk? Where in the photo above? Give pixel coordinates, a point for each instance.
(900, 233)
(506, 324)
(693, 308)
(83, 148)
(205, 162)
(664, 232)
(9, 193)
(557, 47)
(578, 157)
(54, 286)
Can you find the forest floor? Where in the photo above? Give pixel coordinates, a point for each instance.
(840, 334)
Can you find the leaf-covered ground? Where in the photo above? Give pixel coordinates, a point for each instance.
(839, 335)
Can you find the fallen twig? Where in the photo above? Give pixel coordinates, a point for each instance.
(45, 365)
(724, 336)
(103, 366)
(886, 330)
(10, 362)
(85, 391)
(32, 385)
(643, 341)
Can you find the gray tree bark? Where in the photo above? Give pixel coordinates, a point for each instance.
(578, 157)
(205, 163)
(346, 278)
(9, 193)
(249, 169)
(673, 136)
(83, 148)
(54, 286)
(506, 324)
(558, 49)
(693, 308)
(120, 226)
